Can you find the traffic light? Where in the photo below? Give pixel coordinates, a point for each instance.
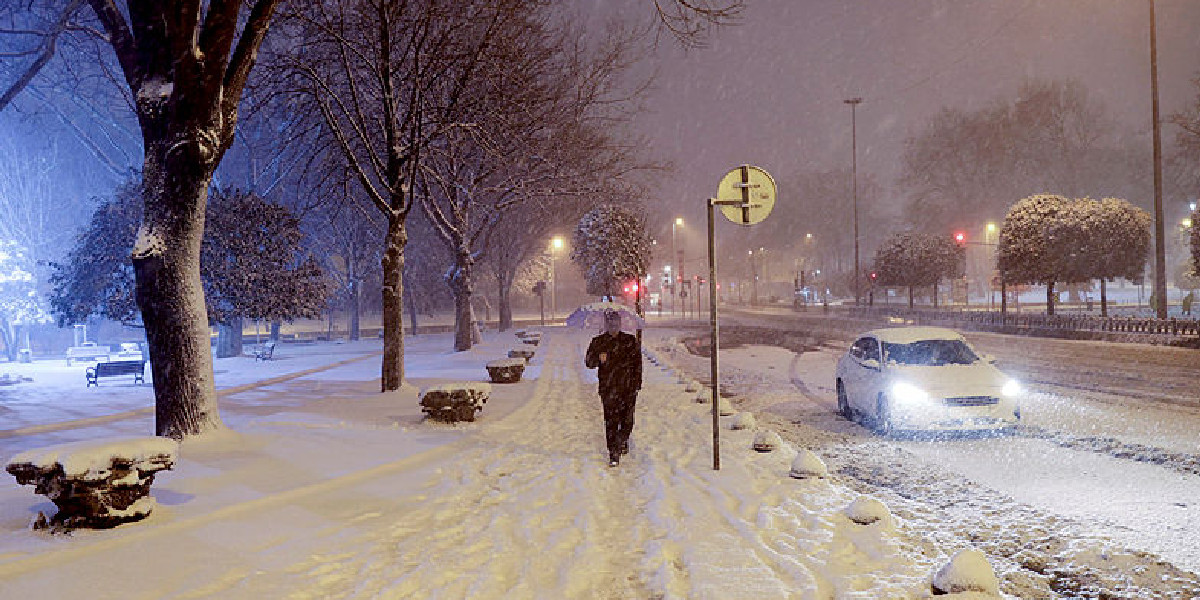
(960, 238)
(874, 276)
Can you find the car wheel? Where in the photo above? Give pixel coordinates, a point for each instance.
(843, 403)
(883, 416)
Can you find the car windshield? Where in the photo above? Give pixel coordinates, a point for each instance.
(930, 353)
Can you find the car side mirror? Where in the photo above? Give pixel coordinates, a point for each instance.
(871, 363)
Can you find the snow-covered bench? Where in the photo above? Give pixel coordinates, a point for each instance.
(116, 368)
(506, 370)
(96, 483)
(456, 401)
(87, 350)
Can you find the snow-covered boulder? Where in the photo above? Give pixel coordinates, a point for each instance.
(967, 571)
(724, 408)
(506, 370)
(525, 353)
(807, 465)
(866, 510)
(743, 421)
(766, 440)
(96, 483)
(458, 401)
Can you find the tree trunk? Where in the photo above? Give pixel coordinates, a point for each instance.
(935, 293)
(229, 338)
(910, 297)
(355, 309)
(461, 286)
(506, 320)
(1103, 298)
(276, 325)
(411, 301)
(393, 304)
(1050, 298)
(8, 335)
(166, 262)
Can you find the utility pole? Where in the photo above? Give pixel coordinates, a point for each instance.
(1160, 243)
(854, 102)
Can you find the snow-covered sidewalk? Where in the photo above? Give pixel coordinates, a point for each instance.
(329, 489)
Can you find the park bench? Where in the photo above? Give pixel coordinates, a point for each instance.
(87, 350)
(95, 483)
(506, 370)
(456, 401)
(116, 368)
(265, 351)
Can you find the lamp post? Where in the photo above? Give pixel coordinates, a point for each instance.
(854, 102)
(556, 244)
(1160, 243)
(677, 275)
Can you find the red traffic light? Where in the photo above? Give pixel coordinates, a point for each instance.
(960, 238)
(874, 275)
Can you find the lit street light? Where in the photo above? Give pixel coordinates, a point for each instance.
(677, 278)
(556, 244)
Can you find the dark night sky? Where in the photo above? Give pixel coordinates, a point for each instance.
(770, 90)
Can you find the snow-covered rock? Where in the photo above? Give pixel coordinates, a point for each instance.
(524, 353)
(807, 465)
(967, 571)
(866, 510)
(767, 440)
(743, 421)
(96, 483)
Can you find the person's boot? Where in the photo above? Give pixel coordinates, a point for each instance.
(614, 459)
(624, 449)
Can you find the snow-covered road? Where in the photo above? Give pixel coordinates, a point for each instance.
(1108, 475)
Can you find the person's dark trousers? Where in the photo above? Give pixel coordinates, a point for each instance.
(618, 421)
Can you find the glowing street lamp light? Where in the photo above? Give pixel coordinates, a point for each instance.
(556, 243)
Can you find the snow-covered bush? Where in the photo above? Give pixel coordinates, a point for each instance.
(967, 571)
(866, 510)
(724, 408)
(808, 465)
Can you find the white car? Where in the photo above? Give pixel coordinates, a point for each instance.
(924, 378)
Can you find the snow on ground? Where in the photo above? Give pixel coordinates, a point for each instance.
(324, 488)
(1059, 515)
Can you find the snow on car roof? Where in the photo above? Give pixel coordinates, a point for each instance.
(908, 335)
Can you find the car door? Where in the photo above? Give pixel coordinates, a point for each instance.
(862, 373)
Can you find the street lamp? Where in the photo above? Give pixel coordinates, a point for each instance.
(854, 102)
(677, 277)
(1160, 243)
(556, 244)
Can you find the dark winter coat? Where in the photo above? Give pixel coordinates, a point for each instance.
(622, 372)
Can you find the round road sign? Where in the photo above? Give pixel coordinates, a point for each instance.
(753, 188)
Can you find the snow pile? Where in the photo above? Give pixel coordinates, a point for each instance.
(866, 510)
(808, 465)
(766, 440)
(743, 421)
(724, 407)
(967, 571)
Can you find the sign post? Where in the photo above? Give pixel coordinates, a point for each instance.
(746, 196)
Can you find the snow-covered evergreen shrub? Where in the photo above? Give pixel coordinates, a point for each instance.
(967, 571)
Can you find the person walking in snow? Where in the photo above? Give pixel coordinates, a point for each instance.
(619, 359)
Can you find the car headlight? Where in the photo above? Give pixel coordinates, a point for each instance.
(1011, 388)
(903, 391)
